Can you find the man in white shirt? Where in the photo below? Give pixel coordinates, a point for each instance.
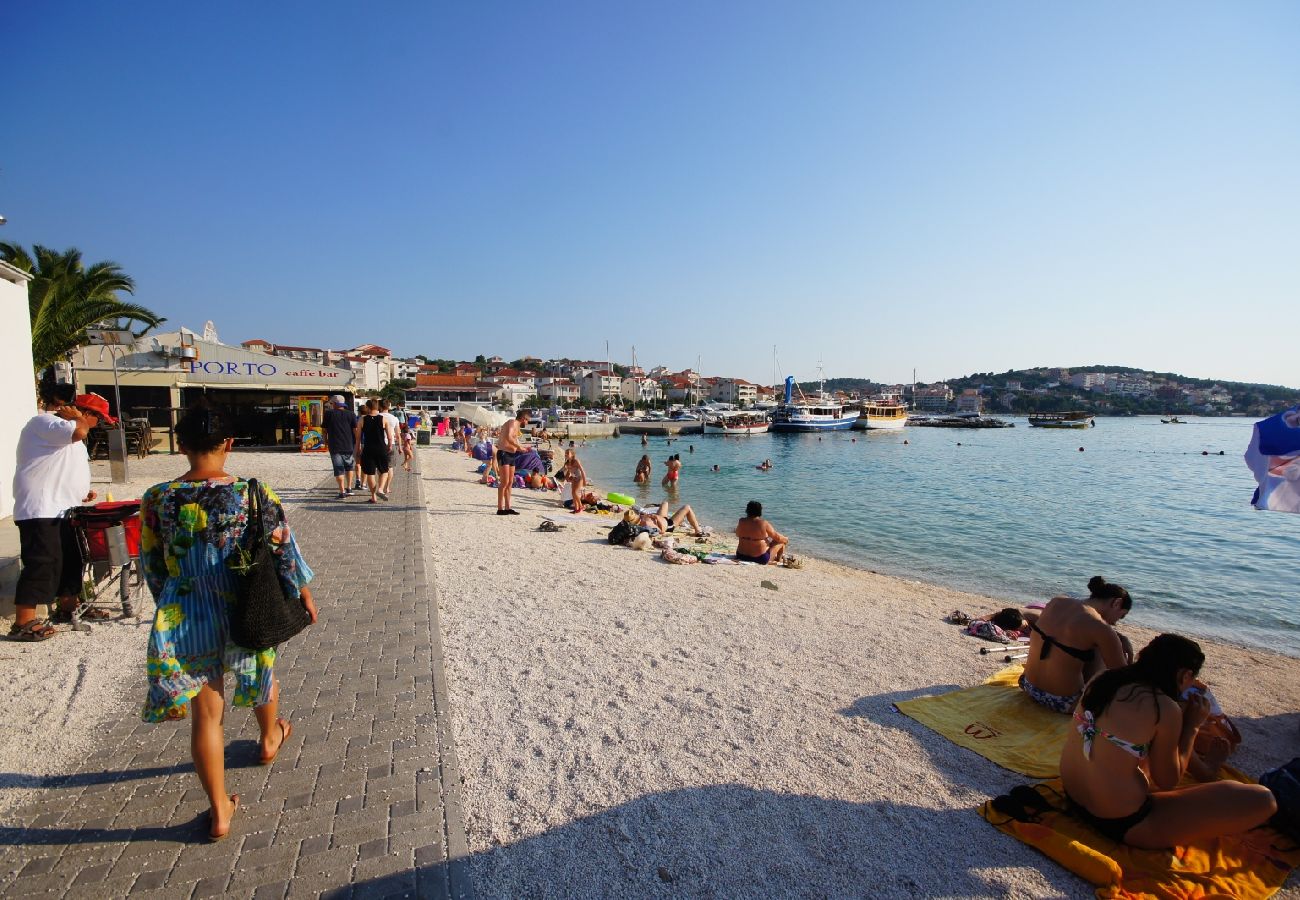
(52, 476)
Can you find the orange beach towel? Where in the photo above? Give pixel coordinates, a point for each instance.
(1249, 866)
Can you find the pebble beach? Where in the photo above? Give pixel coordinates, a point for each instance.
(632, 728)
(629, 728)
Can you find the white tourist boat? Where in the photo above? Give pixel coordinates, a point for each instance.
(736, 422)
(887, 413)
(818, 411)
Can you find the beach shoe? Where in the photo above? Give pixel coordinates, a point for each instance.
(957, 617)
(341, 495)
(35, 630)
(382, 496)
(550, 526)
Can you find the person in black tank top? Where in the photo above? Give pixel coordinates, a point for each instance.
(374, 449)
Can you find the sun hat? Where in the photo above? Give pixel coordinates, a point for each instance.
(96, 404)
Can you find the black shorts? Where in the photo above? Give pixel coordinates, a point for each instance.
(505, 458)
(51, 559)
(374, 463)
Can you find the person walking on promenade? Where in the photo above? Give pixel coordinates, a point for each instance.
(391, 435)
(51, 477)
(507, 446)
(759, 541)
(340, 426)
(190, 528)
(370, 434)
(407, 441)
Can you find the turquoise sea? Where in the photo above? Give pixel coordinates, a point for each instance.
(1018, 512)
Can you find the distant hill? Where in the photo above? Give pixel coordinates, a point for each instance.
(1127, 391)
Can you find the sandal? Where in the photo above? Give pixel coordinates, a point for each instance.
(33, 631)
(213, 837)
(286, 729)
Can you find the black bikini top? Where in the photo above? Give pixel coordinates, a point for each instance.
(1049, 642)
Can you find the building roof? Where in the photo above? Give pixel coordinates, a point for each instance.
(427, 380)
(372, 350)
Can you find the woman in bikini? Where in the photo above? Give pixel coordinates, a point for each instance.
(643, 469)
(1131, 745)
(674, 465)
(577, 478)
(1071, 641)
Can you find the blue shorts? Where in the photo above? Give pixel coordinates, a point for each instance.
(342, 463)
(763, 559)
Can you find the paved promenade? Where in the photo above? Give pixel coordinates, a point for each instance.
(364, 799)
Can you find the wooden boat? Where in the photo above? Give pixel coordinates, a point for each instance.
(884, 414)
(1076, 419)
(736, 422)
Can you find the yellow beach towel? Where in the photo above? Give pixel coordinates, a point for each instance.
(1248, 866)
(997, 721)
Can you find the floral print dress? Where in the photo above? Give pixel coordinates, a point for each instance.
(188, 532)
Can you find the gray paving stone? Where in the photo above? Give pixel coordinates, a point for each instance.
(353, 806)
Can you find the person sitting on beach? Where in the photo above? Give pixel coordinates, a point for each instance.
(1071, 641)
(759, 541)
(658, 517)
(577, 477)
(1131, 746)
(643, 470)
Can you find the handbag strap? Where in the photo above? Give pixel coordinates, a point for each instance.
(256, 527)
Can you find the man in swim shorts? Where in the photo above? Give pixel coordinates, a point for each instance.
(507, 447)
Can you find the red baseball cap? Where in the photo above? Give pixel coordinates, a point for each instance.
(96, 404)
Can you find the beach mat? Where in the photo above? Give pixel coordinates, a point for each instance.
(1248, 866)
(997, 721)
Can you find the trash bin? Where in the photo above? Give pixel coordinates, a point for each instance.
(422, 437)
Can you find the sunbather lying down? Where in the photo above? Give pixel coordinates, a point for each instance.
(657, 517)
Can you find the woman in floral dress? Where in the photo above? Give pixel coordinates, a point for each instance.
(190, 529)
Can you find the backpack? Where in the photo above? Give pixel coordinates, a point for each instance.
(1284, 782)
(622, 533)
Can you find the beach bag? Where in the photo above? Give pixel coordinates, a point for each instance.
(622, 533)
(1284, 782)
(263, 614)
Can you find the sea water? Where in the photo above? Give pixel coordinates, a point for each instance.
(1018, 513)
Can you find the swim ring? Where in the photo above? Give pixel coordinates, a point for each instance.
(620, 499)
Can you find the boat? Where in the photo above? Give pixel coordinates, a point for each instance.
(1172, 420)
(887, 413)
(736, 422)
(818, 411)
(1075, 419)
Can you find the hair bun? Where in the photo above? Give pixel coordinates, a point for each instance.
(1096, 583)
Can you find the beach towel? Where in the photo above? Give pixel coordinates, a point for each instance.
(997, 721)
(1250, 866)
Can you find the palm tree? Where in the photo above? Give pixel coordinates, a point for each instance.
(65, 298)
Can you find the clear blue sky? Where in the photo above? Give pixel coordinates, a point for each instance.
(945, 186)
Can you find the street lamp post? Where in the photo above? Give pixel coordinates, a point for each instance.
(111, 339)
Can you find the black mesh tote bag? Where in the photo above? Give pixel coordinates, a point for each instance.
(263, 615)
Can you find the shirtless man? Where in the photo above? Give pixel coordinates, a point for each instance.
(507, 446)
(666, 523)
(759, 541)
(1071, 641)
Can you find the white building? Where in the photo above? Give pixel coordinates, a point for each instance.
(970, 402)
(368, 372)
(736, 391)
(15, 374)
(643, 391)
(558, 391)
(598, 387)
(512, 394)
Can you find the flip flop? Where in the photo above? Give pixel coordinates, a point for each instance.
(213, 838)
(286, 729)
